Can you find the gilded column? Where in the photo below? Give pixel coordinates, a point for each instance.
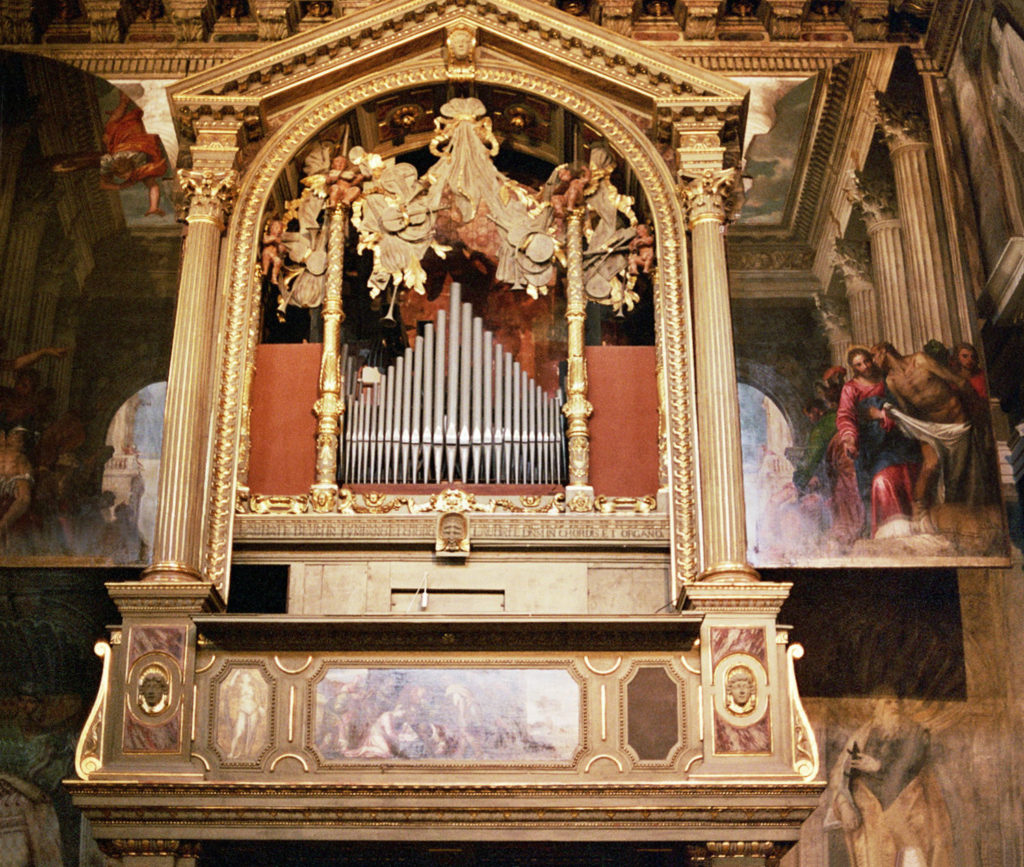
(209, 189)
(932, 303)
(329, 407)
(854, 264)
(896, 319)
(579, 495)
(724, 536)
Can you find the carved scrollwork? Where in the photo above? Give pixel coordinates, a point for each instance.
(89, 751)
(532, 505)
(378, 504)
(805, 746)
(149, 848)
(265, 504)
(636, 505)
(452, 500)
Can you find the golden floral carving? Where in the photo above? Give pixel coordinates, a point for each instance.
(637, 505)
(263, 504)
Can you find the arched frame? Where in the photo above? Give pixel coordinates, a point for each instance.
(673, 331)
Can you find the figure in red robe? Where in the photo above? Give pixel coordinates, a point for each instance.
(887, 461)
(131, 155)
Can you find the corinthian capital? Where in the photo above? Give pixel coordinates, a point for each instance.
(876, 197)
(900, 125)
(711, 195)
(209, 193)
(852, 259)
(835, 319)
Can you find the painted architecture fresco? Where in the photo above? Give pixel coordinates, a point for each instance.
(85, 331)
(854, 449)
(918, 747)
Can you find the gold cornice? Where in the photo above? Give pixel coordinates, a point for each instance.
(177, 60)
(641, 531)
(552, 39)
(706, 790)
(159, 598)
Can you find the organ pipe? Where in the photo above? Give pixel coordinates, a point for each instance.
(455, 406)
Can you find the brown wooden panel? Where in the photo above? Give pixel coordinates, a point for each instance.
(282, 426)
(624, 426)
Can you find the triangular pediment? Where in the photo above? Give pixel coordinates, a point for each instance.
(274, 81)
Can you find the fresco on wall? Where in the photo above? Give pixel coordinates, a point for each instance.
(132, 159)
(441, 715)
(908, 740)
(772, 157)
(86, 313)
(894, 460)
(49, 620)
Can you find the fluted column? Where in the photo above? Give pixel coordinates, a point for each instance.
(329, 405)
(178, 538)
(724, 534)
(896, 319)
(854, 264)
(579, 494)
(18, 286)
(15, 138)
(834, 315)
(932, 303)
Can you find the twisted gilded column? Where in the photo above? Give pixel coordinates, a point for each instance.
(329, 406)
(854, 264)
(188, 414)
(933, 306)
(579, 494)
(724, 534)
(896, 320)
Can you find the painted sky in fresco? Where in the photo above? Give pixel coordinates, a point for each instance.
(771, 158)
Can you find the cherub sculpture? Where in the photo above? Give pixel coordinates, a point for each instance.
(272, 254)
(641, 250)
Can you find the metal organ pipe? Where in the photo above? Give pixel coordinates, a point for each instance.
(455, 406)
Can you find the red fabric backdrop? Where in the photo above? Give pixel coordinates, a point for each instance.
(623, 428)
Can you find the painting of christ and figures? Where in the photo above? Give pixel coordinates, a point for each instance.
(480, 715)
(894, 458)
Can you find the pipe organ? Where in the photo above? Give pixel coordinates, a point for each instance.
(455, 406)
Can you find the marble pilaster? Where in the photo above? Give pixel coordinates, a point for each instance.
(707, 201)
